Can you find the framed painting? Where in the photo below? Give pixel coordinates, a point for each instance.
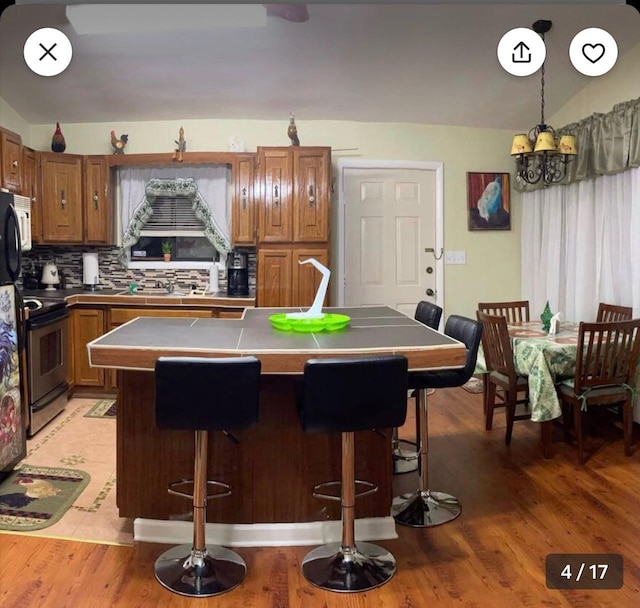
(488, 201)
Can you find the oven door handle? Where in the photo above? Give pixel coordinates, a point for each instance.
(47, 319)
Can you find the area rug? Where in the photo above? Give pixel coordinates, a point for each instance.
(35, 497)
(474, 385)
(105, 408)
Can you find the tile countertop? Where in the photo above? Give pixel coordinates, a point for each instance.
(155, 297)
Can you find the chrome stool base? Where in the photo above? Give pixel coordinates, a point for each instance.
(425, 509)
(190, 573)
(405, 457)
(348, 569)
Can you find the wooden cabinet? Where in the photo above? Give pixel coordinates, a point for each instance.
(31, 188)
(294, 194)
(282, 281)
(97, 200)
(293, 202)
(243, 216)
(88, 324)
(10, 161)
(61, 198)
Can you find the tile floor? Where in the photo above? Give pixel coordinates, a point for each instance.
(88, 444)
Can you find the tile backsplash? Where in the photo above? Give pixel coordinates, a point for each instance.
(68, 260)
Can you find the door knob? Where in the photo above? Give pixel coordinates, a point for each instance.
(430, 292)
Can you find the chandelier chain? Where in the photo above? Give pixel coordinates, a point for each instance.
(542, 89)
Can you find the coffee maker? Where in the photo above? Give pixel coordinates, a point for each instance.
(237, 274)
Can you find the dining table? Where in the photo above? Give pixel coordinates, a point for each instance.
(545, 359)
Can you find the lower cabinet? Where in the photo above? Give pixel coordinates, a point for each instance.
(88, 324)
(283, 281)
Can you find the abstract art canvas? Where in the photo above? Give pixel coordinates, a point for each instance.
(488, 201)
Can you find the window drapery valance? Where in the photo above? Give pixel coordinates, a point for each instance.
(206, 188)
(607, 144)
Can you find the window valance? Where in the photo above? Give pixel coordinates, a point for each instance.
(607, 143)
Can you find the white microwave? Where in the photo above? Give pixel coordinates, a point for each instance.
(22, 205)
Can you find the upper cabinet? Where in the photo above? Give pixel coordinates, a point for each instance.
(243, 223)
(61, 197)
(97, 200)
(31, 188)
(76, 199)
(294, 194)
(10, 161)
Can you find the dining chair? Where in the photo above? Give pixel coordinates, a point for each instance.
(498, 355)
(605, 366)
(405, 459)
(516, 311)
(612, 312)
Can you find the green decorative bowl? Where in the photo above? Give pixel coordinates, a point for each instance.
(330, 322)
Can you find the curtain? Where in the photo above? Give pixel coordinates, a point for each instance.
(607, 144)
(211, 200)
(581, 246)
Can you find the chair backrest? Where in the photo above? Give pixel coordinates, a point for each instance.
(611, 312)
(469, 332)
(354, 394)
(513, 311)
(607, 353)
(496, 344)
(428, 314)
(198, 393)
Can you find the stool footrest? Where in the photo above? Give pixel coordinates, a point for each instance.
(371, 488)
(226, 488)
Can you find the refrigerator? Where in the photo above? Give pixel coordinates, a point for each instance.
(13, 443)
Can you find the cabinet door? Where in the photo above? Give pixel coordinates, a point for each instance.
(31, 188)
(311, 169)
(306, 277)
(88, 324)
(274, 277)
(97, 200)
(61, 198)
(243, 215)
(276, 213)
(11, 153)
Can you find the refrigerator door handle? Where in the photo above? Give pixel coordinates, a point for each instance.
(20, 321)
(14, 272)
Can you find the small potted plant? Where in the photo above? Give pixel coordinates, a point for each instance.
(166, 251)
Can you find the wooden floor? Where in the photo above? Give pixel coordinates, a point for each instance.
(517, 508)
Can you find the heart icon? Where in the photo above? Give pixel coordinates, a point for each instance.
(593, 52)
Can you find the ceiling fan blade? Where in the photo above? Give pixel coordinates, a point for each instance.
(291, 12)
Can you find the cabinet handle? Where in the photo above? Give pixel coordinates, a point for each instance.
(244, 198)
(14, 164)
(63, 202)
(276, 197)
(96, 198)
(312, 198)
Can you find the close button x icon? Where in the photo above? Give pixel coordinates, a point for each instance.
(47, 51)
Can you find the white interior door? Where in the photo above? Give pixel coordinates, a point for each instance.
(391, 219)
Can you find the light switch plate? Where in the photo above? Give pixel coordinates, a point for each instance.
(455, 257)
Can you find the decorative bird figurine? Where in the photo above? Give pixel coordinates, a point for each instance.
(489, 202)
(57, 141)
(181, 142)
(292, 131)
(118, 144)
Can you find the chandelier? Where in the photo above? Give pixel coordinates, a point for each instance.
(540, 155)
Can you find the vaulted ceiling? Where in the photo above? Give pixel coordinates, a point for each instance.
(433, 64)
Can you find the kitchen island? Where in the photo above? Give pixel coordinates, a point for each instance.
(274, 465)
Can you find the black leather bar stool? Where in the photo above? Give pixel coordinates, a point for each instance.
(405, 452)
(348, 395)
(425, 508)
(202, 395)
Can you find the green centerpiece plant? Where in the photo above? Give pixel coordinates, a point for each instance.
(546, 316)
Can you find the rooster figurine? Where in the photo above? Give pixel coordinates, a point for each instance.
(292, 131)
(57, 141)
(118, 144)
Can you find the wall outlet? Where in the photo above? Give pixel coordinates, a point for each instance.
(455, 257)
